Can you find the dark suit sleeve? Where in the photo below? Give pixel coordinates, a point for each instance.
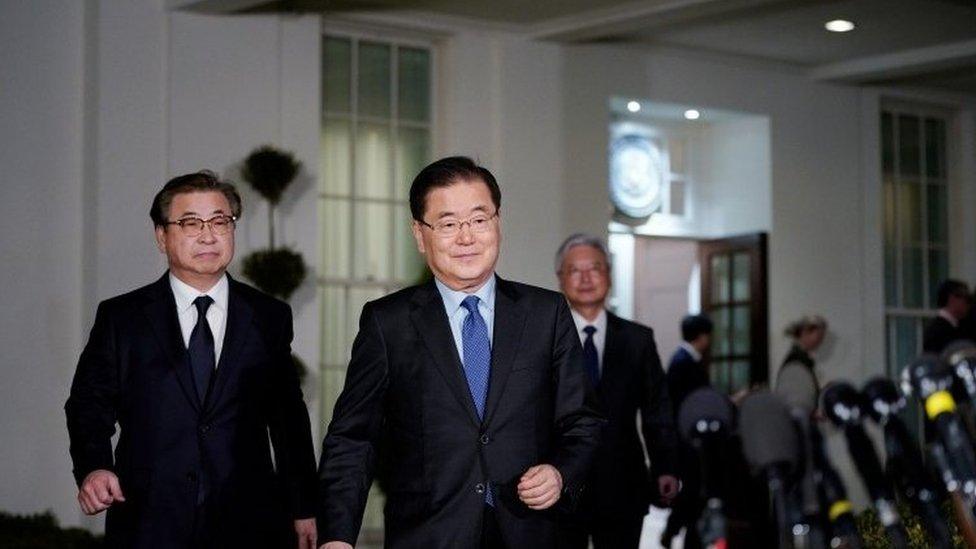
(290, 430)
(349, 450)
(92, 405)
(657, 419)
(578, 420)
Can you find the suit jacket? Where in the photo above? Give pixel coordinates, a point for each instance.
(685, 374)
(632, 382)
(406, 404)
(174, 450)
(938, 334)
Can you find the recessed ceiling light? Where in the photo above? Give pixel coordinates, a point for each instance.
(692, 114)
(633, 106)
(839, 25)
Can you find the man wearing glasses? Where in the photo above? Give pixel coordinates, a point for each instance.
(621, 360)
(466, 395)
(196, 370)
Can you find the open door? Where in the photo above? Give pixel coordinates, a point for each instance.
(734, 296)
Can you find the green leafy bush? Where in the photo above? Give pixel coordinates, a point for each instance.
(42, 531)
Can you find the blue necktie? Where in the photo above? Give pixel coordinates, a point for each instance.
(477, 361)
(201, 348)
(591, 360)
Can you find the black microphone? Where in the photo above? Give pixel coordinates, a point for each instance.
(772, 447)
(705, 420)
(841, 405)
(960, 355)
(881, 402)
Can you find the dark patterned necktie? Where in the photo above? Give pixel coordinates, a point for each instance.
(202, 356)
(591, 360)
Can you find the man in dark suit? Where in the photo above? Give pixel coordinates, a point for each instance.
(954, 301)
(468, 391)
(196, 370)
(686, 372)
(621, 360)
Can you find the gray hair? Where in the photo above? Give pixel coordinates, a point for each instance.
(580, 239)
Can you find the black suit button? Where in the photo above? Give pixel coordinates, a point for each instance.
(484, 438)
(480, 488)
(205, 428)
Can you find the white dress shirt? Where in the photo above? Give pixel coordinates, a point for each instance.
(691, 350)
(456, 313)
(599, 336)
(187, 312)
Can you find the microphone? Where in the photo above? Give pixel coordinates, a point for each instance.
(705, 420)
(797, 387)
(772, 447)
(960, 355)
(823, 493)
(881, 402)
(841, 404)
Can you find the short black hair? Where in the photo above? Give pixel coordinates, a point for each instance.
(444, 173)
(950, 287)
(202, 181)
(693, 326)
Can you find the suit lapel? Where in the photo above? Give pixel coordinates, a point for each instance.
(240, 314)
(161, 313)
(613, 348)
(431, 323)
(508, 326)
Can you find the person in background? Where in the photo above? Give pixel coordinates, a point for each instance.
(686, 372)
(622, 362)
(807, 334)
(954, 302)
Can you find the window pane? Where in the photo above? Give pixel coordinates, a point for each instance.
(739, 375)
(409, 263)
(908, 145)
(890, 245)
(374, 79)
(909, 213)
(934, 147)
(335, 157)
(336, 76)
(906, 342)
(938, 271)
(335, 353)
(887, 144)
(677, 204)
(740, 276)
(938, 218)
(720, 375)
(357, 298)
(741, 330)
(912, 272)
(332, 381)
(373, 241)
(414, 76)
(676, 156)
(720, 345)
(413, 153)
(720, 278)
(335, 237)
(373, 161)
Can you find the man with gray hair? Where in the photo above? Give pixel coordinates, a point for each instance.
(621, 360)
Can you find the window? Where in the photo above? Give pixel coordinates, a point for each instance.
(916, 242)
(376, 136)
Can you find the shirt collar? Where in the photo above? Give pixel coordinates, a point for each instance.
(453, 298)
(185, 294)
(949, 318)
(600, 322)
(691, 350)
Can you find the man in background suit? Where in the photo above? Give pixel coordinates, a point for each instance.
(196, 370)
(621, 359)
(686, 372)
(954, 302)
(468, 391)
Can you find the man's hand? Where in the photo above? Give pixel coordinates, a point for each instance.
(540, 487)
(307, 533)
(668, 486)
(98, 491)
(336, 545)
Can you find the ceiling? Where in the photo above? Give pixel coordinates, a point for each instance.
(918, 43)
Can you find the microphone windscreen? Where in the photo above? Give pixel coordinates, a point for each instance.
(797, 386)
(958, 351)
(704, 404)
(881, 398)
(768, 433)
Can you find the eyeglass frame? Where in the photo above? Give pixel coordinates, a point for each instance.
(461, 225)
(597, 268)
(205, 222)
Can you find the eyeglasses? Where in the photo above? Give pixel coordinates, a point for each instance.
(576, 273)
(446, 228)
(193, 226)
